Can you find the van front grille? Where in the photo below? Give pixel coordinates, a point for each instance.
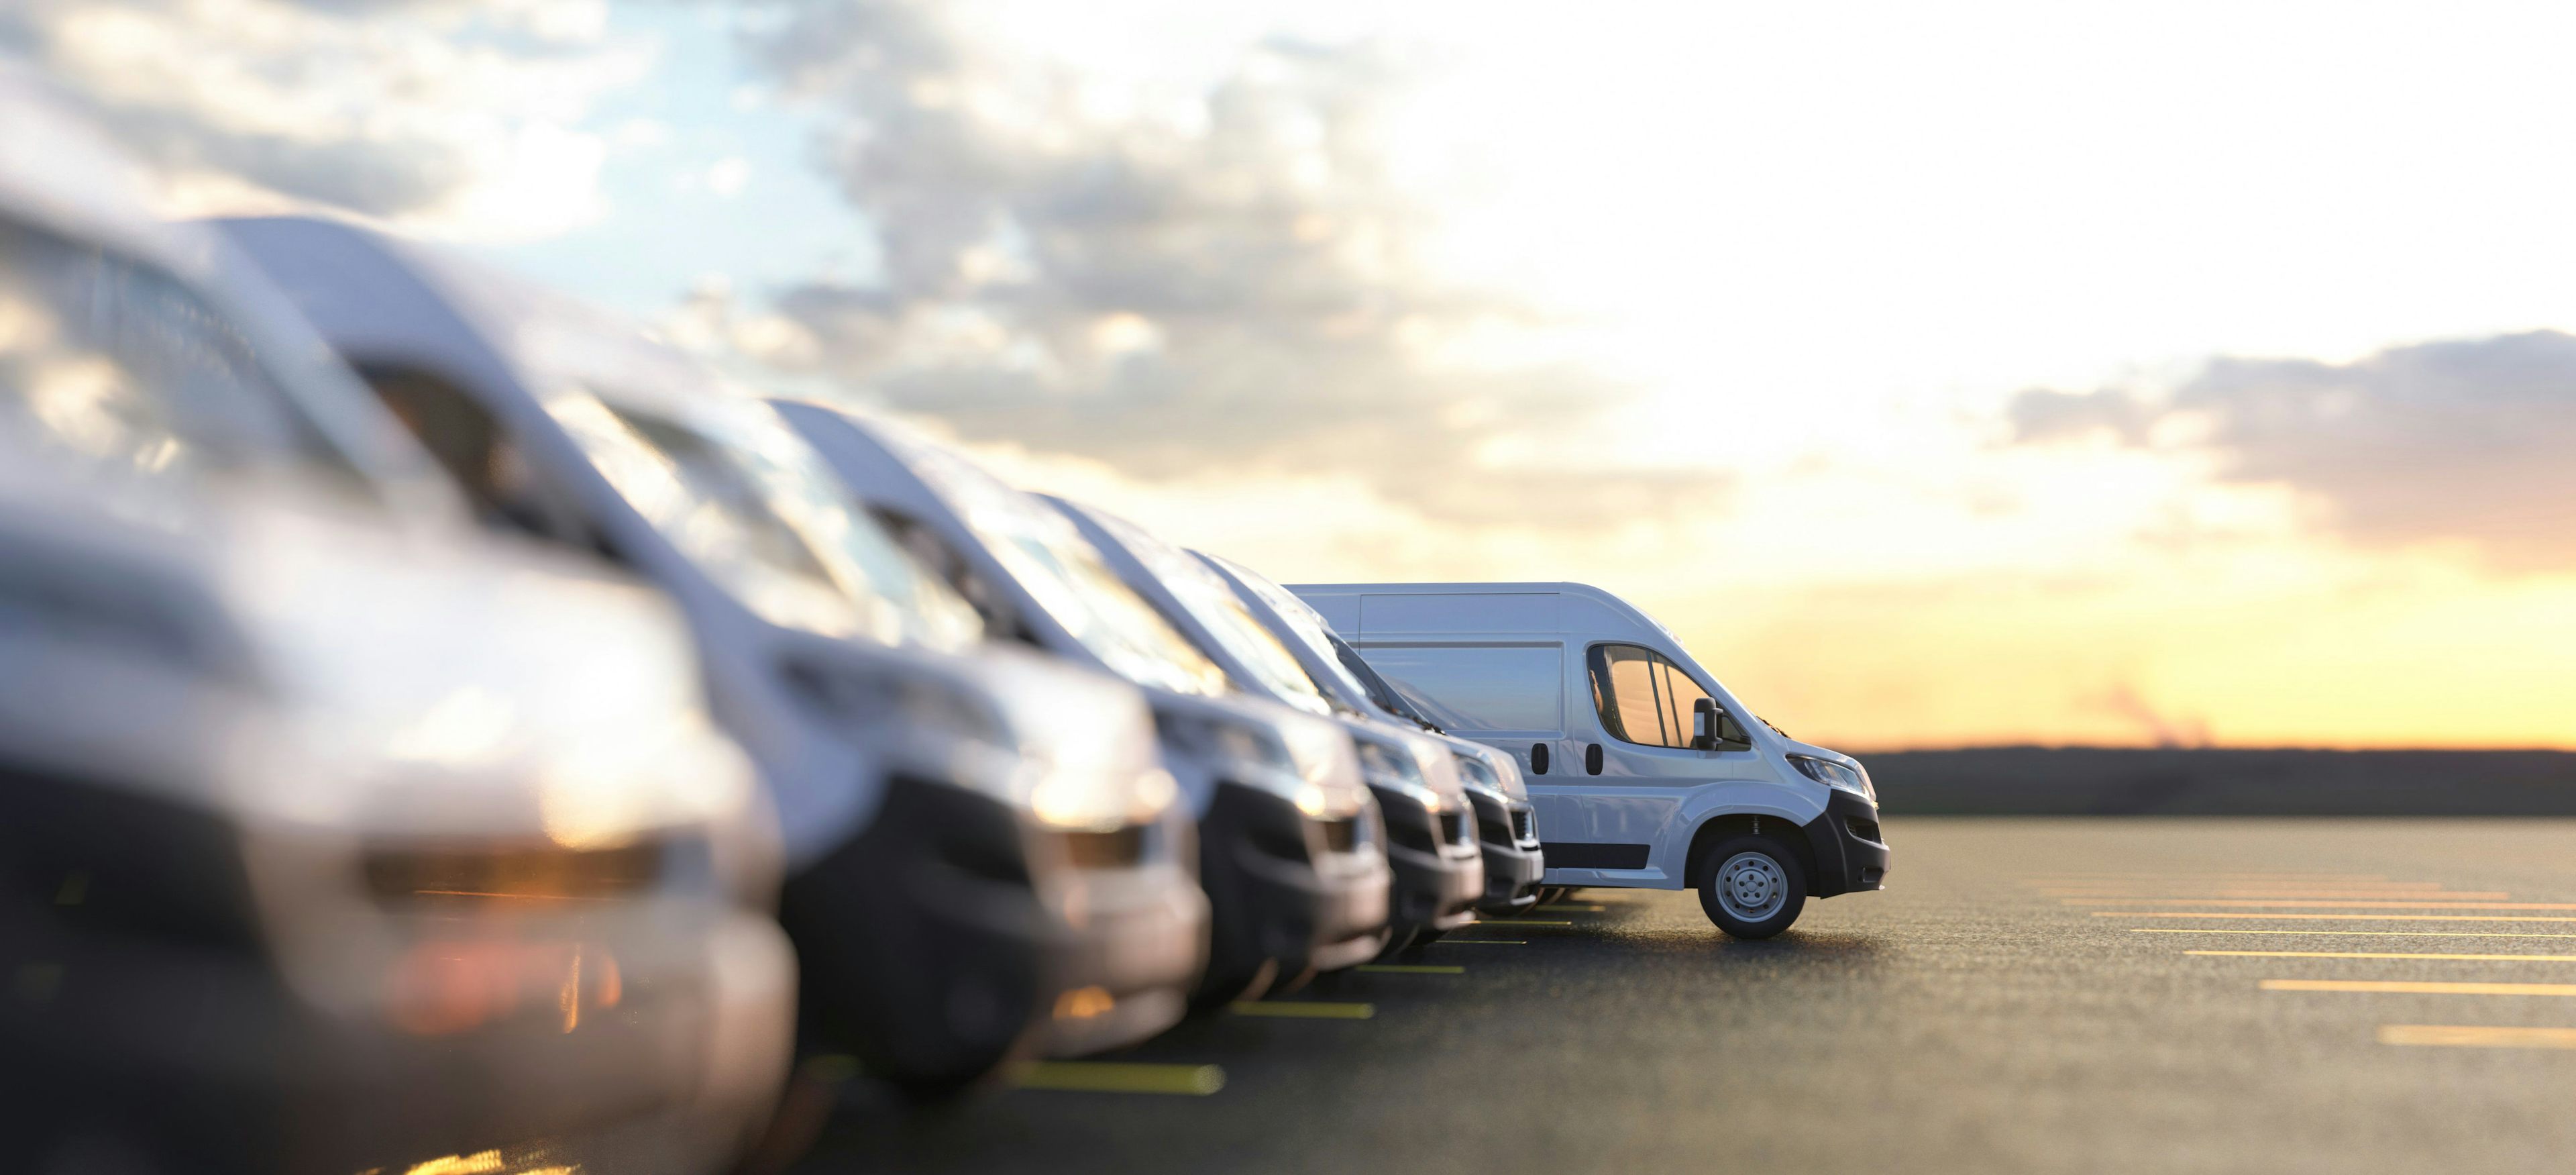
(1341, 836)
(1865, 829)
(1524, 825)
(1118, 849)
(512, 872)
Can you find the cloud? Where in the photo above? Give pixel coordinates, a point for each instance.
(1227, 278)
(454, 118)
(2465, 440)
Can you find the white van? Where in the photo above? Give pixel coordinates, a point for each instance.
(301, 769)
(1430, 821)
(1506, 822)
(1646, 771)
(1290, 840)
(984, 854)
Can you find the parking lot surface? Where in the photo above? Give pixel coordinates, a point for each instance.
(2029, 995)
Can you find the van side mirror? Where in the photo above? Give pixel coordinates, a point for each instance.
(1704, 733)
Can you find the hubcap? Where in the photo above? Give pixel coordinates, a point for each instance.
(1752, 886)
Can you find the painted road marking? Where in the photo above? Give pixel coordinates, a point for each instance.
(1409, 969)
(1575, 909)
(2419, 987)
(2382, 955)
(2352, 933)
(1120, 1077)
(2389, 905)
(2334, 917)
(2284, 897)
(1304, 1009)
(2477, 1036)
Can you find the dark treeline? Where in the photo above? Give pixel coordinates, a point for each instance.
(2103, 781)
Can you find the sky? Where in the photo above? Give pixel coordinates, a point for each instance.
(1942, 375)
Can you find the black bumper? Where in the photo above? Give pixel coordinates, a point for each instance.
(1439, 872)
(1850, 847)
(921, 944)
(1513, 862)
(1287, 893)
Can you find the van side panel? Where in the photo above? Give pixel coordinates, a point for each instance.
(1479, 690)
(1496, 614)
(1340, 610)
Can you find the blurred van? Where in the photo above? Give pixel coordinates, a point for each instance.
(1645, 770)
(1290, 841)
(334, 835)
(1430, 822)
(1506, 822)
(984, 856)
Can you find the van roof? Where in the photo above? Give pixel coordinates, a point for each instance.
(378, 296)
(1576, 608)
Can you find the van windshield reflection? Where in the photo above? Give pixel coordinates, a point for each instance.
(741, 497)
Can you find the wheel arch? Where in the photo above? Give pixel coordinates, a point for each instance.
(1715, 829)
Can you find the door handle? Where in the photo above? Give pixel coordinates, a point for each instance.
(1592, 758)
(1538, 758)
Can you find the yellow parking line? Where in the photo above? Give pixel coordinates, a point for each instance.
(1576, 909)
(1409, 969)
(1120, 1077)
(2382, 955)
(2419, 987)
(2333, 917)
(2477, 1036)
(1304, 1009)
(2338, 905)
(2351, 933)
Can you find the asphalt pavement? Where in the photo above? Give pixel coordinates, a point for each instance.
(2025, 996)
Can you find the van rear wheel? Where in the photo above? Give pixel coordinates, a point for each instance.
(1753, 887)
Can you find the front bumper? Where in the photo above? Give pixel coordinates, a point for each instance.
(952, 936)
(1850, 846)
(441, 1024)
(1287, 892)
(1439, 871)
(1129, 939)
(1507, 833)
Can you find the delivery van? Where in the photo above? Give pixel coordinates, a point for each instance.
(1431, 835)
(302, 768)
(1645, 770)
(1291, 844)
(984, 856)
(1506, 822)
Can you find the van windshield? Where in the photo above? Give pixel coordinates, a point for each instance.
(1042, 552)
(120, 365)
(743, 498)
(1204, 595)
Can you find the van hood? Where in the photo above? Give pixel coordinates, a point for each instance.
(1506, 769)
(300, 662)
(1261, 744)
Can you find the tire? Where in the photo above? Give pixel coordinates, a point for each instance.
(1752, 887)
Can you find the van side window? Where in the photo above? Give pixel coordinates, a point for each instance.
(504, 488)
(933, 552)
(1643, 697)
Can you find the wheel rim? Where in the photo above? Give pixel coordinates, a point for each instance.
(1752, 886)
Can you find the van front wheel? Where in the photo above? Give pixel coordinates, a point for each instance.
(1753, 887)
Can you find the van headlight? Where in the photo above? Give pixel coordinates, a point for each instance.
(1835, 775)
(1390, 768)
(1243, 751)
